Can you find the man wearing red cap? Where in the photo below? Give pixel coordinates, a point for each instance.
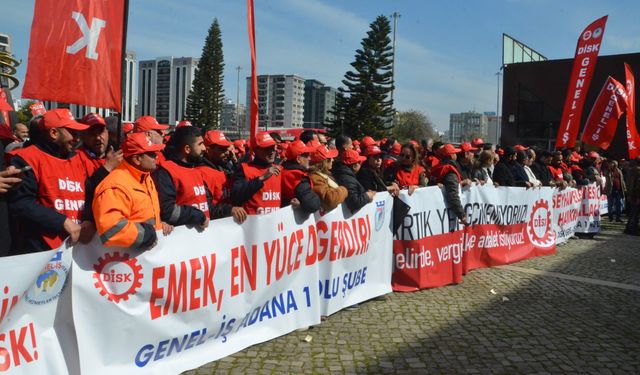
(97, 160)
(257, 184)
(150, 126)
(126, 203)
(48, 203)
(296, 185)
(447, 174)
(183, 194)
(217, 174)
(465, 160)
(344, 171)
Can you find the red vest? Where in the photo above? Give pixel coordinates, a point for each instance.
(90, 164)
(217, 182)
(556, 173)
(60, 186)
(441, 170)
(268, 198)
(290, 179)
(190, 186)
(406, 179)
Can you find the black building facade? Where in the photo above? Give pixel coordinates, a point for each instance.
(534, 95)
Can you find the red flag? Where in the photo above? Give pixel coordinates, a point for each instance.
(607, 110)
(584, 64)
(253, 119)
(5, 107)
(37, 109)
(633, 139)
(75, 53)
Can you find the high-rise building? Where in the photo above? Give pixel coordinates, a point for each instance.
(467, 125)
(231, 112)
(319, 101)
(164, 85)
(280, 101)
(128, 98)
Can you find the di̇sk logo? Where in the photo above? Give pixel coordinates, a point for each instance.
(539, 225)
(117, 276)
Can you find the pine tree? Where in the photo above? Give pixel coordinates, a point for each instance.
(363, 106)
(206, 98)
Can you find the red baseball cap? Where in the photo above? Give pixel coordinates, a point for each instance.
(61, 118)
(396, 148)
(139, 143)
(520, 148)
(466, 146)
(448, 150)
(372, 150)
(264, 140)
(146, 123)
(127, 127)
(476, 142)
(575, 157)
(297, 148)
(92, 119)
(368, 141)
(214, 137)
(351, 157)
(184, 123)
(322, 152)
(593, 155)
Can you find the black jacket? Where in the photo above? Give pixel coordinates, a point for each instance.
(5, 234)
(357, 197)
(371, 179)
(503, 174)
(31, 218)
(451, 191)
(520, 177)
(309, 201)
(541, 171)
(170, 212)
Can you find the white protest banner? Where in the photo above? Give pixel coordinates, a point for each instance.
(195, 297)
(37, 335)
(577, 211)
(507, 225)
(354, 254)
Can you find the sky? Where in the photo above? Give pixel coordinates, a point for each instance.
(447, 52)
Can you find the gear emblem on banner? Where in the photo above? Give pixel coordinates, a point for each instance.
(117, 276)
(539, 226)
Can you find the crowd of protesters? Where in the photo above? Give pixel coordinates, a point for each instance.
(69, 178)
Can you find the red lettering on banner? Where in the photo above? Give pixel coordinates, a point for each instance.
(286, 252)
(242, 269)
(7, 303)
(189, 286)
(322, 227)
(17, 348)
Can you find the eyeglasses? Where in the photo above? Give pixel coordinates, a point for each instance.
(151, 154)
(305, 155)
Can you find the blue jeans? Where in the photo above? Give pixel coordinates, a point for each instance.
(615, 204)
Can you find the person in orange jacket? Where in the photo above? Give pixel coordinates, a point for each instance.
(126, 206)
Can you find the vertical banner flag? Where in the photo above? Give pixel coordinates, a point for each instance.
(603, 120)
(584, 64)
(253, 122)
(633, 139)
(75, 53)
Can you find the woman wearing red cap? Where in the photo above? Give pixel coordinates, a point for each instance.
(407, 173)
(331, 194)
(370, 175)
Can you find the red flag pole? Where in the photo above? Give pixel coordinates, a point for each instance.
(633, 138)
(123, 70)
(254, 78)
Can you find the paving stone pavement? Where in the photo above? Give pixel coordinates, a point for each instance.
(548, 325)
